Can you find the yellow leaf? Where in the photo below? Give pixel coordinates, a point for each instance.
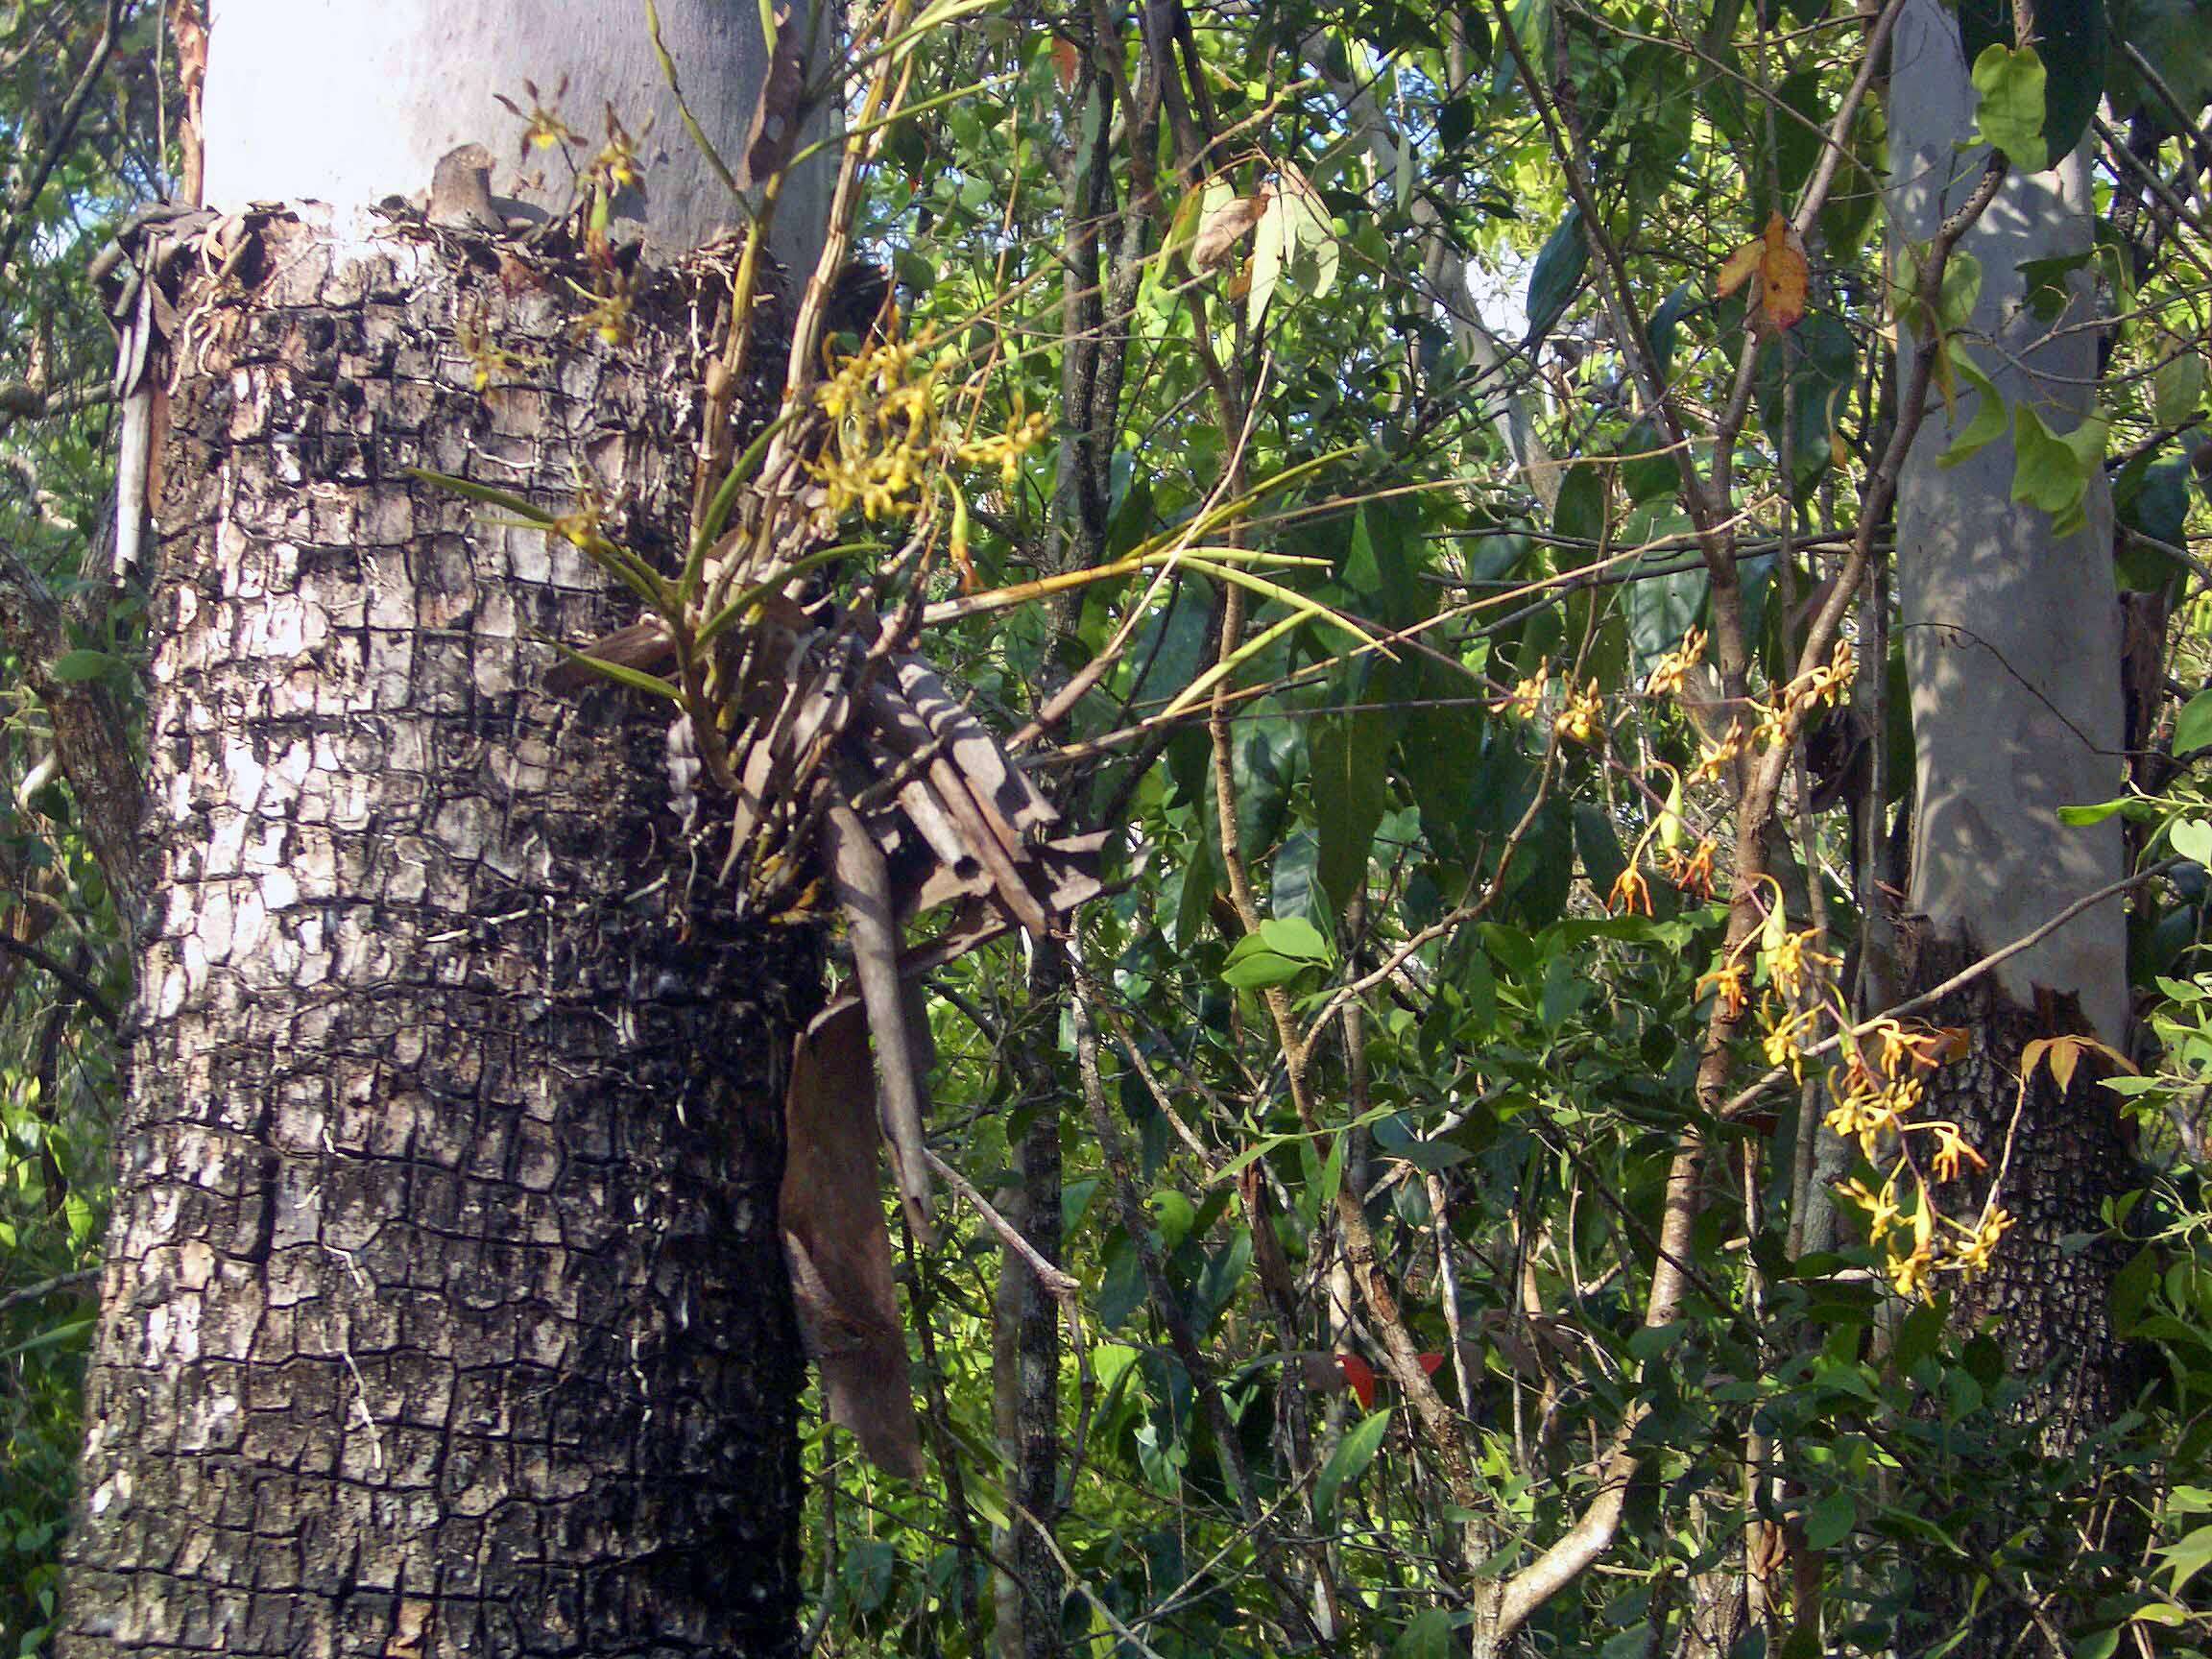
(1777, 258)
(2062, 1054)
(1740, 265)
(2065, 1054)
(1784, 275)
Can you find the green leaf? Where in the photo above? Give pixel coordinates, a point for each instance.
(1349, 782)
(1959, 291)
(2071, 38)
(1830, 1519)
(2192, 838)
(73, 666)
(1426, 1635)
(1280, 949)
(2100, 810)
(1988, 424)
(1531, 23)
(1296, 888)
(1580, 512)
(2186, 1559)
(1556, 276)
(2011, 85)
(2052, 470)
(2192, 726)
(1664, 320)
(1821, 359)
(2170, 36)
(1350, 1460)
(865, 1573)
(2177, 389)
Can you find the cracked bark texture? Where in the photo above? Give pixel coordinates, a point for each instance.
(2047, 1295)
(443, 1311)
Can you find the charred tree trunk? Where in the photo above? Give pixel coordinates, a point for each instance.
(1026, 1332)
(444, 1309)
(2063, 1156)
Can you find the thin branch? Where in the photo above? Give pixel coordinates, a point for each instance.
(1057, 1285)
(85, 991)
(45, 1287)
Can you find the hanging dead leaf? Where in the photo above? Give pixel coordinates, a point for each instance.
(1067, 64)
(773, 133)
(1785, 277)
(1224, 228)
(837, 1247)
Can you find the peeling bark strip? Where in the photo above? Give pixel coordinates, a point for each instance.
(444, 1309)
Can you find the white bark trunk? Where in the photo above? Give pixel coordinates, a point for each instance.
(2012, 632)
(350, 101)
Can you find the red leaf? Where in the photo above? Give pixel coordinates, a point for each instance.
(1361, 1376)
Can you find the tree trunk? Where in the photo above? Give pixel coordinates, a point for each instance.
(1025, 1328)
(445, 1308)
(345, 102)
(2012, 640)
(2012, 637)
(2012, 632)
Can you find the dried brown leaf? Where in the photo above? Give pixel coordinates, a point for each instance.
(773, 133)
(837, 1247)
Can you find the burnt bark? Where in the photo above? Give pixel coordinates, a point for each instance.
(2057, 1157)
(2064, 1154)
(1026, 1331)
(444, 1309)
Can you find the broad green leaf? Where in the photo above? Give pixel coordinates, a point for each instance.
(2052, 470)
(1666, 321)
(1988, 423)
(1426, 1635)
(1297, 889)
(1350, 1460)
(1581, 510)
(2193, 729)
(1822, 365)
(2178, 388)
(1959, 291)
(1531, 23)
(2010, 84)
(2071, 38)
(865, 1573)
(2187, 1559)
(2192, 838)
(72, 667)
(1830, 1519)
(2170, 36)
(1557, 274)
(1349, 785)
(1308, 231)
(1279, 949)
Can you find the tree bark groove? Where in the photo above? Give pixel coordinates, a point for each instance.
(444, 1309)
